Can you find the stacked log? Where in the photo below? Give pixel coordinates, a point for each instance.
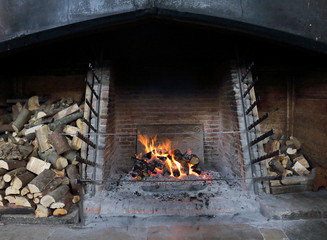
(297, 172)
(38, 149)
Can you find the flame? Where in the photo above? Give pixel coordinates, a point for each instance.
(164, 150)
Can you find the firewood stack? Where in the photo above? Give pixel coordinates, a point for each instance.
(150, 164)
(38, 149)
(291, 162)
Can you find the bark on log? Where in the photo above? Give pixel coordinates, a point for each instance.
(31, 130)
(22, 180)
(71, 157)
(6, 118)
(54, 196)
(25, 150)
(39, 183)
(64, 211)
(10, 151)
(64, 201)
(58, 162)
(3, 172)
(3, 184)
(6, 128)
(37, 166)
(22, 118)
(59, 142)
(42, 138)
(60, 123)
(67, 111)
(10, 175)
(44, 155)
(33, 104)
(72, 173)
(12, 164)
(41, 211)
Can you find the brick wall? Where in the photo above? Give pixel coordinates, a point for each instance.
(166, 94)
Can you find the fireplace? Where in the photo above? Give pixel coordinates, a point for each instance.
(181, 81)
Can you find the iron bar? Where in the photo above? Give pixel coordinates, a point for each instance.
(99, 181)
(269, 155)
(250, 86)
(89, 125)
(247, 71)
(92, 89)
(267, 134)
(85, 139)
(93, 73)
(253, 105)
(92, 109)
(258, 121)
(87, 162)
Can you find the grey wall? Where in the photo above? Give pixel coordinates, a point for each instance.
(301, 18)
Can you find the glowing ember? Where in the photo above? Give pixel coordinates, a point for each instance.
(160, 159)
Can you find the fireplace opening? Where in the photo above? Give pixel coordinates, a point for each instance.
(181, 82)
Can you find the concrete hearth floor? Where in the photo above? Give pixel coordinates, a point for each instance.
(289, 216)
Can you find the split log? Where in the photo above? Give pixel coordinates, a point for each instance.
(72, 173)
(71, 157)
(22, 180)
(33, 103)
(64, 211)
(20, 201)
(41, 211)
(286, 161)
(10, 175)
(36, 200)
(37, 195)
(301, 159)
(76, 143)
(24, 191)
(37, 166)
(59, 142)
(39, 183)
(66, 200)
(61, 123)
(42, 138)
(67, 111)
(59, 173)
(31, 130)
(71, 130)
(300, 169)
(11, 164)
(57, 161)
(10, 151)
(22, 118)
(76, 198)
(40, 115)
(6, 128)
(80, 124)
(54, 196)
(12, 191)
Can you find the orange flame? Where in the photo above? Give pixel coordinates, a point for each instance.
(165, 150)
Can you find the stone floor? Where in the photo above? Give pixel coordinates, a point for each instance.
(183, 228)
(290, 216)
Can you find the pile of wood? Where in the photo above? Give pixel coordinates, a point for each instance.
(297, 172)
(291, 162)
(38, 149)
(155, 164)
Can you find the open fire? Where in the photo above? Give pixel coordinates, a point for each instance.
(159, 159)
